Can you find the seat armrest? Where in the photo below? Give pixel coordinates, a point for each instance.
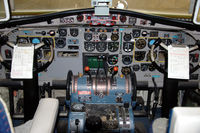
(45, 116)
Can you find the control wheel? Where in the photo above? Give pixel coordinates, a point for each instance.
(170, 86)
(41, 65)
(165, 47)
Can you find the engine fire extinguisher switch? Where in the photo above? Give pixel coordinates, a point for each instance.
(8, 54)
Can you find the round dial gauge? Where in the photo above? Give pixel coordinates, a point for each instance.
(88, 36)
(101, 46)
(113, 59)
(78, 107)
(103, 37)
(113, 46)
(128, 46)
(89, 46)
(127, 37)
(114, 37)
(140, 44)
(22, 40)
(60, 42)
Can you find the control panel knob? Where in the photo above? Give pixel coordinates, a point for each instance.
(87, 68)
(80, 18)
(123, 18)
(115, 69)
(52, 33)
(43, 33)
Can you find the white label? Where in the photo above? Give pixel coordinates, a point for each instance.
(178, 62)
(22, 62)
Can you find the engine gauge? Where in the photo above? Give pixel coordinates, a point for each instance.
(60, 42)
(112, 59)
(127, 59)
(89, 46)
(113, 46)
(140, 55)
(127, 37)
(62, 32)
(140, 44)
(128, 46)
(136, 33)
(102, 37)
(74, 32)
(114, 37)
(88, 36)
(101, 46)
(151, 67)
(144, 67)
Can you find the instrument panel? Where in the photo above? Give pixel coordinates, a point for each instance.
(100, 43)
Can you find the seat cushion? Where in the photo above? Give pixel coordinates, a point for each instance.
(45, 117)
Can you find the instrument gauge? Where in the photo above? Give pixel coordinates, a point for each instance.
(22, 40)
(62, 32)
(139, 55)
(60, 42)
(127, 37)
(79, 107)
(89, 46)
(88, 36)
(101, 46)
(74, 32)
(136, 33)
(102, 37)
(140, 44)
(127, 59)
(112, 59)
(114, 37)
(128, 47)
(113, 46)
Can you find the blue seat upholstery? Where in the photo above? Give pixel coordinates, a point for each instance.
(5, 121)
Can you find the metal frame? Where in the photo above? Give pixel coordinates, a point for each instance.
(7, 9)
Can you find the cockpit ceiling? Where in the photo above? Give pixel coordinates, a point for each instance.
(168, 8)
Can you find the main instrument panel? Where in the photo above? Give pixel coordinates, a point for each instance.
(100, 43)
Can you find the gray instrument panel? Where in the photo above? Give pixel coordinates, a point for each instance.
(126, 45)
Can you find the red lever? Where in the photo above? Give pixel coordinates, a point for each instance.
(115, 69)
(87, 68)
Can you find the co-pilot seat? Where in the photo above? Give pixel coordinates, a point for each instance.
(181, 120)
(43, 121)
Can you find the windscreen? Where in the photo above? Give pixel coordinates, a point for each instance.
(168, 8)
(2, 10)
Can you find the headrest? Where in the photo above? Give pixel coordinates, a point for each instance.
(184, 120)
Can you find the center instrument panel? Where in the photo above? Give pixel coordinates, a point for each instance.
(100, 43)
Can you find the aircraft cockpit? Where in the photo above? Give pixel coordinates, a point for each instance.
(101, 66)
